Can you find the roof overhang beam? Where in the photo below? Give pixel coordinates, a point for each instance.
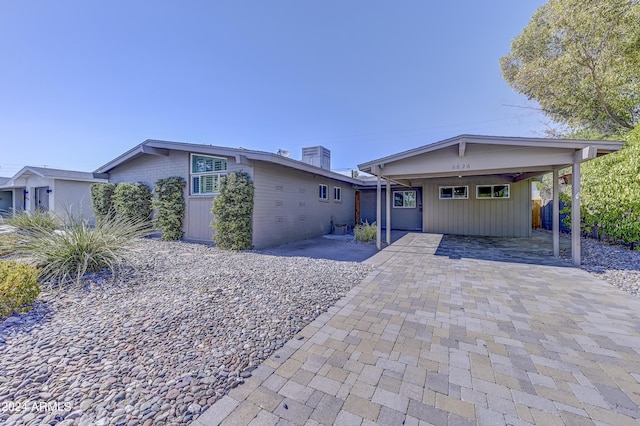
(586, 153)
(146, 149)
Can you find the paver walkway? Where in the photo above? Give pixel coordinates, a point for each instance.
(439, 335)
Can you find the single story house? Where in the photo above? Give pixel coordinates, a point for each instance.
(62, 192)
(6, 198)
(466, 185)
(479, 185)
(293, 199)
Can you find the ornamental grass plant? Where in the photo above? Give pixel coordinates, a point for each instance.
(39, 219)
(8, 243)
(78, 248)
(365, 232)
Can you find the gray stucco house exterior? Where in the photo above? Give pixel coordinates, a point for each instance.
(61, 192)
(293, 200)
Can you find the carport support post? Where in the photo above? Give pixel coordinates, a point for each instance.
(388, 219)
(379, 214)
(575, 214)
(556, 214)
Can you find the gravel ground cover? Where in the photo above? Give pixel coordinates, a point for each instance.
(181, 328)
(174, 334)
(615, 264)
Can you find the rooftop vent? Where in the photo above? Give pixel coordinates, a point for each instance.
(318, 156)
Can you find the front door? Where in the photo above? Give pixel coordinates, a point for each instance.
(42, 198)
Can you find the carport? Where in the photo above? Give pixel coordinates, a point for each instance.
(481, 185)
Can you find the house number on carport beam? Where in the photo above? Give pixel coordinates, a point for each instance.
(460, 166)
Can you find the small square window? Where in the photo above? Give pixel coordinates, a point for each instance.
(337, 193)
(454, 192)
(404, 199)
(492, 191)
(323, 192)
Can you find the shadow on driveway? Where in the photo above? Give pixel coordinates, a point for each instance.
(331, 247)
(537, 250)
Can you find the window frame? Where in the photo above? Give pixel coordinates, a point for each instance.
(201, 176)
(493, 191)
(337, 194)
(404, 198)
(453, 192)
(323, 192)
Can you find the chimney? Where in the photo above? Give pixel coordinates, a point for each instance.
(318, 156)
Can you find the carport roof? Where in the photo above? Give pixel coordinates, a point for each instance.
(514, 157)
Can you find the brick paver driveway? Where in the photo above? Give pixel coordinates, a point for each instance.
(452, 330)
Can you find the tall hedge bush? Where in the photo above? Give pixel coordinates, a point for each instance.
(170, 206)
(610, 193)
(133, 201)
(102, 199)
(232, 211)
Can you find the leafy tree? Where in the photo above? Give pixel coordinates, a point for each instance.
(580, 60)
(610, 192)
(232, 211)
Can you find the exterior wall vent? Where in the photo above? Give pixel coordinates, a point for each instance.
(318, 156)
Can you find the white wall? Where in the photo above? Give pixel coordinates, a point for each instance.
(71, 197)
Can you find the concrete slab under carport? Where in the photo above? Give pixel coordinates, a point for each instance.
(441, 339)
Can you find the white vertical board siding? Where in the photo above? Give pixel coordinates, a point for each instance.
(488, 217)
(287, 207)
(149, 168)
(198, 219)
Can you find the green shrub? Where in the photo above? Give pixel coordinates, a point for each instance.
(133, 201)
(232, 211)
(102, 199)
(18, 286)
(610, 193)
(26, 221)
(169, 203)
(365, 232)
(79, 248)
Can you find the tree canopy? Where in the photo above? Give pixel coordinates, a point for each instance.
(580, 60)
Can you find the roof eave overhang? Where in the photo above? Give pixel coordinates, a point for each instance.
(376, 167)
(157, 147)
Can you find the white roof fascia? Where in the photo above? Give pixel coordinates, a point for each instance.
(601, 146)
(226, 152)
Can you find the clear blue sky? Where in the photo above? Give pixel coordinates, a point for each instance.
(83, 81)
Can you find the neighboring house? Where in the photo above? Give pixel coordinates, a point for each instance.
(481, 185)
(293, 199)
(60, 191)
(6, 198)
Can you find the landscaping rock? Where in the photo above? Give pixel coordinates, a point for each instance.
(175, 332)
